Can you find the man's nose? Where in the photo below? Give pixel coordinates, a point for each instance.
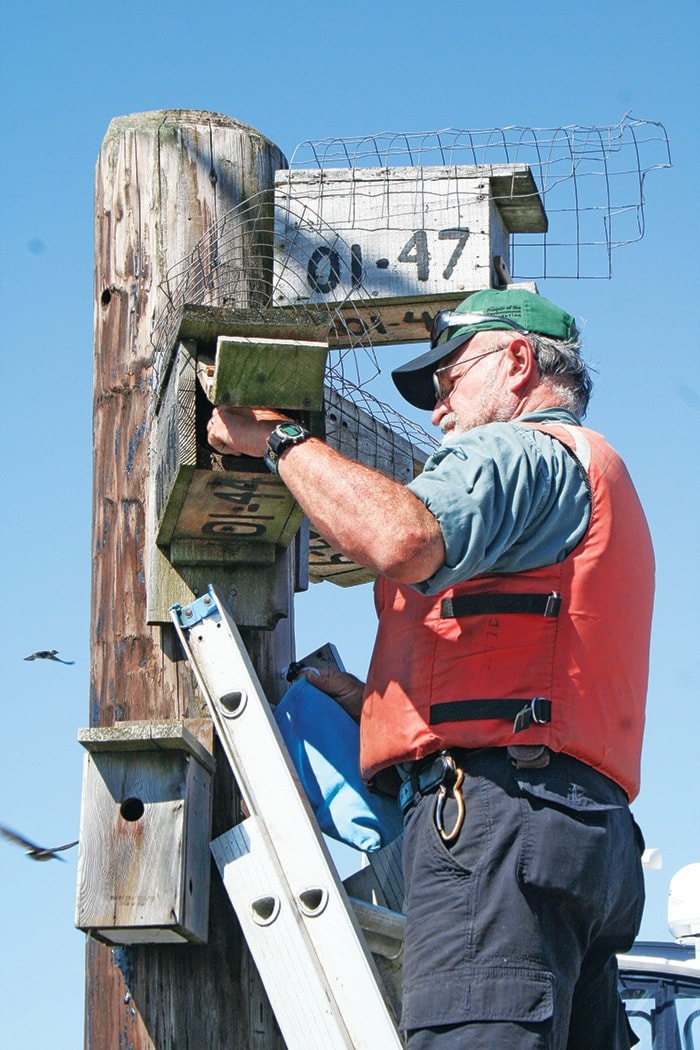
(439, 411)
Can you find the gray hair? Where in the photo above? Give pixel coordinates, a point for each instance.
(561, 364)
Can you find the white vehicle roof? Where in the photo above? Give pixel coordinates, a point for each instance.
(669, 959)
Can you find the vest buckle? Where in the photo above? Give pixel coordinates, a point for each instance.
(539, 711)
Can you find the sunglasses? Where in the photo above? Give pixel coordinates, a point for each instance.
(453, 319)
(443, 386)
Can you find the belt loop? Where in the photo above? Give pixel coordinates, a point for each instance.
(529, 756)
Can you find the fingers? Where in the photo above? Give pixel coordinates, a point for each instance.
(329, 679)
(343, 687)
(222, 427)
(217, 440)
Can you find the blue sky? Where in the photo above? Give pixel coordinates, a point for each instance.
(296, 72)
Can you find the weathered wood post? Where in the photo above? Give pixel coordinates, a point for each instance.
(162, 180)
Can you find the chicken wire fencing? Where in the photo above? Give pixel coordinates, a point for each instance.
(589, 182)
(590, 179)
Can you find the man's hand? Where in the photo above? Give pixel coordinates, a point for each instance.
(242, 431)
(345, 688)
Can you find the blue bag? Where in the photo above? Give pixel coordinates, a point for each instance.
(324, 745)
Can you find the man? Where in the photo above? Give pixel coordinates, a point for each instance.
(508, 680)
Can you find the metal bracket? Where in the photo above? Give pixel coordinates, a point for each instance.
(196, 611)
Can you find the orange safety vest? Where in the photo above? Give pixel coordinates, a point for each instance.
(556, 655)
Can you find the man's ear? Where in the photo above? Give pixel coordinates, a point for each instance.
(522, 366)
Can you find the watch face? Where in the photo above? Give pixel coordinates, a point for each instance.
(282, 437)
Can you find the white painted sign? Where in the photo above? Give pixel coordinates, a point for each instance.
(409, 236)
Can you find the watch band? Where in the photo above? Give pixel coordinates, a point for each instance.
(283, 437)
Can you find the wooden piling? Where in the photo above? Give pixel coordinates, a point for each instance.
(162, 180)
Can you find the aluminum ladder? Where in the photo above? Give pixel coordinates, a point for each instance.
(304, 932)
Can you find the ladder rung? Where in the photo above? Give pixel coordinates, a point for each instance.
(383, 929)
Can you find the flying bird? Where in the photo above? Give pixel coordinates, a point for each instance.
(34, 851)
(48, 654)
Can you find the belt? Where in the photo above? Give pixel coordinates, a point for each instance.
(426, 774)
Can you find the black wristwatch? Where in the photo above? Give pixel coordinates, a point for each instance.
(282, 437)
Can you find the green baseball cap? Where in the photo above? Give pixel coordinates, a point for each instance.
(531, 311)
(509, 309)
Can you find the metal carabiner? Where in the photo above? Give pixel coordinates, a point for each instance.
(448, 837)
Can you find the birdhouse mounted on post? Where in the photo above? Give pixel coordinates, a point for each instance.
(405, 241)
(228, 515)
(144, 862)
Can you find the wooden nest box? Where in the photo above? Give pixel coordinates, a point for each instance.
(144, 861)
(392, 246)
(226, 517)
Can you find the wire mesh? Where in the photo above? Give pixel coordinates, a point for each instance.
(590, 180)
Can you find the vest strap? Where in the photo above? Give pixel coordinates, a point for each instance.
(523, 712)
(496, 604)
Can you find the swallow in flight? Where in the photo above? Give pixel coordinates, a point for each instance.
(34, 851)
(48, 654)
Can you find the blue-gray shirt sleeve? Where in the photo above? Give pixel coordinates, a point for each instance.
(507, 498)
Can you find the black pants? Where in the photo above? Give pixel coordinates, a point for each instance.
(512, 931)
